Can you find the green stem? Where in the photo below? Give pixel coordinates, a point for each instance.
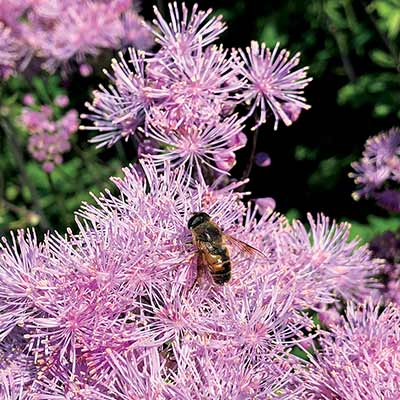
(122, 153)
(250, 162)
(56, 194)
(390, 45)
(88, 163)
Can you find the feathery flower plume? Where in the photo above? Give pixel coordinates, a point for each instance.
(379, 168)
(271, 84)
(10, 51)
(60, 32)
(186, 31)
(17, 369)
(184, 95)
(197, 147)
(345, 266)
(119, 110)
(23, 279)
(359, 356)
(387, 247)
(117, 302)
(49, 138)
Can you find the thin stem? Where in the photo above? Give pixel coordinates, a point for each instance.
(88, 163)
(344, 54)
(15, 209)
(121, 152)
(250, 162)
(390, 46)
(56, 194)
(24, 178)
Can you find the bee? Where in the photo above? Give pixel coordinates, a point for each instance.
(213, 254)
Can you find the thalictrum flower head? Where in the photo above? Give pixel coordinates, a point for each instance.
(10, 51)
(379, 167)
(187, 30)
(119, 110)
(118, 301)
(58, 32)
(345, 266)
(17, 369)
(49, 137)
(358, 358)
(198, 148)
(271, 83)
(23, 278)
(194, 89)
(182, 95)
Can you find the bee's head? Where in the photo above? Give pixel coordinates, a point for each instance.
(197, 219)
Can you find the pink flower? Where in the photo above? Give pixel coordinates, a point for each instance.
(58, 32)
(265, 204)
(187, 30)
(10, 51)
(263, 159)
(198, 148)
(117, 112)
(344, 266)
(112, 310)
(358, 357)
(379, 165)
(61, 100)
(85, 70)
(28, 99)
(271, 85)
(49, 138)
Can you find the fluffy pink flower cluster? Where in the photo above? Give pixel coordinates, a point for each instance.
(49, 137)
(183, 97)
(358, 359)
(9, 52)
(378, 171)
(387, 247)
(59, 31)
(111, 313)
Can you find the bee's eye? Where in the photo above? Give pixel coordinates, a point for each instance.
(197, 219)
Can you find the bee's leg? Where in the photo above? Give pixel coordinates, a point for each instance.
(199, 271)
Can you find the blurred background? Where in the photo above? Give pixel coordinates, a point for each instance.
(353, 51)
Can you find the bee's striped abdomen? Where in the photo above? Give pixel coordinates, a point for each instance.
(221, 270)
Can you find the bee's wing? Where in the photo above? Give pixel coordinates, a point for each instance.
(243, 247)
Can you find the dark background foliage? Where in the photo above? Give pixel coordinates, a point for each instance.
(352, 48)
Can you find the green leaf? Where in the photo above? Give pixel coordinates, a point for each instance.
(270, 35)
(304, 153)
(382, 110)
(382, 58)
(292, 214)
(389, 15)
(328, 172)
(375, 226)
(41, 90)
